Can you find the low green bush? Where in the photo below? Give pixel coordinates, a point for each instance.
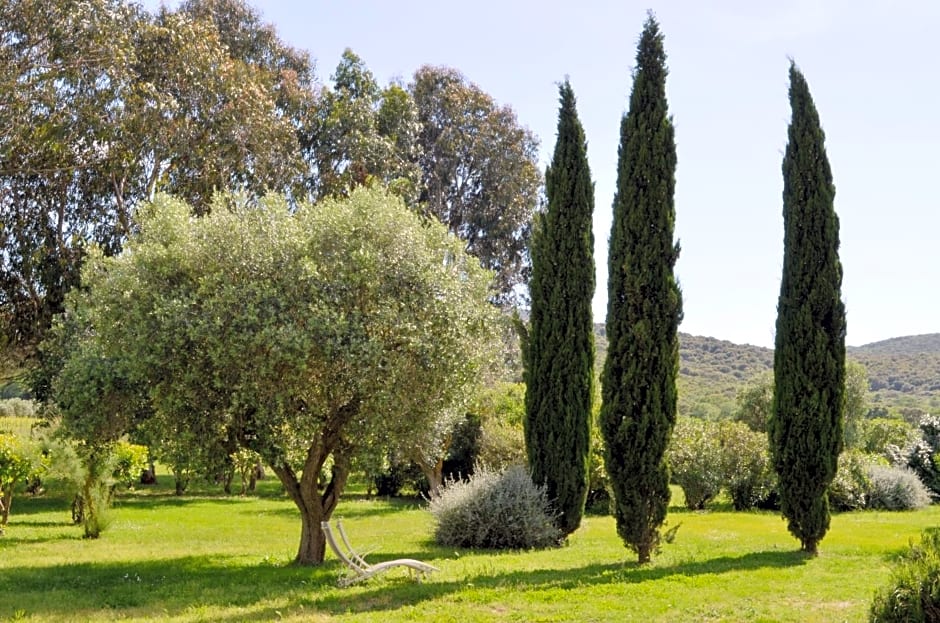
(129, 460)
(850, 489)
(879, 434)
(494, 510)
(694, 457)
(501, 442)
(913, 596)
(896, 489)
(747, 471)
(399, 473)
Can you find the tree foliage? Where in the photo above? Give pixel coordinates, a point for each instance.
(479, 172)
(359, 133)
(105, 104)
(805, 429)
(695, 460)
(755, 402)
(559, 346)
(306, 335)
(644, 307)
(17, 462)
(857, 400)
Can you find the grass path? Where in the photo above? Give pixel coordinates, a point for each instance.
(217, 558)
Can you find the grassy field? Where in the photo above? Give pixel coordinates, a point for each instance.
(209, 557)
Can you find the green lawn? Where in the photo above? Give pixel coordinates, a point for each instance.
(215, 558)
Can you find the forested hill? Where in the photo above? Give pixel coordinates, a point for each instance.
(901, 371)
(711, 372)
(903, 365)
(929, 343)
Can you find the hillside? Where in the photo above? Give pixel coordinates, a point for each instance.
(903, 367)
(712, 371)
(903, 372)
(928, 343)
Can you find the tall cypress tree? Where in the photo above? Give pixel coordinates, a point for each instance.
(805, 428)
(644, 307)
(559, 350)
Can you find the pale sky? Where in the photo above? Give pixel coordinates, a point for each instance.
(874, 72)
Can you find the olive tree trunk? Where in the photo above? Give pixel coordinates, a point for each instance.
(314, 506)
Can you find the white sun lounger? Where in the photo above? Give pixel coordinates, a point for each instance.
(361, 570)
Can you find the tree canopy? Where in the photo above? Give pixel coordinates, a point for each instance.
(479, 172)
(306, 335)
(104, 105)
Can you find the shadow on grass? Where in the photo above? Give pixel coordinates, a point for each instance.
(25, 504)
(12, 539)
(19, 522)
(390, 597)
(173, 585)
(176, 501)
(63, 592)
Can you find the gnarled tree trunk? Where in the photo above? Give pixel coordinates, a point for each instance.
(315, 507)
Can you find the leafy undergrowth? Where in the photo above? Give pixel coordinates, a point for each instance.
(208, 557)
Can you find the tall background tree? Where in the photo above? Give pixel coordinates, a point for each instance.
(359, 132)
(805, 428)
(479, 172)
(559, 348)
(644, 307)
(105, 104)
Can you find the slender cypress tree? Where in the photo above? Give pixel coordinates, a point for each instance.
(644, 307)
(805, 428)
(560, 345)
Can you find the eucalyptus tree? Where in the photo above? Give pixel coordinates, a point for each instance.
(359, 132)
(102, 106)
(479, 173)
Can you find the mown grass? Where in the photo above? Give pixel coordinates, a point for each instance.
(209, 557)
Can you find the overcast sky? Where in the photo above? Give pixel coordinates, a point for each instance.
(873, 72)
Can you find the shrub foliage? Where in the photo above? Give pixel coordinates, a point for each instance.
(896, 489)
(494, 510)
(746, 467)
(914, 592)
(695, 459)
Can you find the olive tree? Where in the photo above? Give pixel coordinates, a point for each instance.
(308, 335)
